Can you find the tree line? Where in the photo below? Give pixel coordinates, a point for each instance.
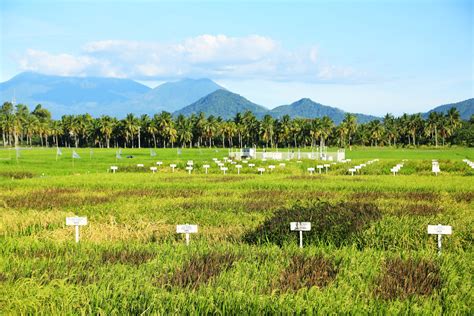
(20, 127)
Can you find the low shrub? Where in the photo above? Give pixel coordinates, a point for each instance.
(306, 272)
(199, 270)
(331, 223)
(401, 279)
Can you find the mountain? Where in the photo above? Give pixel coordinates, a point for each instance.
(98, 96)
(465, 108)
(72, 95)
(223, 103)
(172, 96)
(307, 108)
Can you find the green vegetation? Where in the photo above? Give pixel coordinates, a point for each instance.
(19, 127)
(368, 252)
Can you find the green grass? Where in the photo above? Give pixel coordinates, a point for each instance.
(130, 260)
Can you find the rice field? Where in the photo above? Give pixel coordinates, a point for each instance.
(368, 250)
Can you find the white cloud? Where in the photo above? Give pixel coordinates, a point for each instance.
(215, 56)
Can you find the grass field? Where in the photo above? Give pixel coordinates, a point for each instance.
(368, 251)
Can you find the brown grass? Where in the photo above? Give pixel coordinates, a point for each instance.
(401, 279)
(199, 270)
(306, 272)
(17, 174)
(132, 257)
(419, 209)
(55, 198)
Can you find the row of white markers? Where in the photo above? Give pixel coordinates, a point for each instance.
(469, 163)
(300, 227)
(358, 168)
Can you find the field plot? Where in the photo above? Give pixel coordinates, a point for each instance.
(368, 250)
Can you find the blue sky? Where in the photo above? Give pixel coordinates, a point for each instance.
(362, 56)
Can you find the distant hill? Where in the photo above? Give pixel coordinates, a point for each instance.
(97, 96)
(72, 95)
(172, 96)
(307, 108)
(223, 103)
(465, 108)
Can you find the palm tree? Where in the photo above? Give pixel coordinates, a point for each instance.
(131, 127)
(106, 128)
(414, 124)
(266, 129)
(376, 131)
(432, 125)
(350, 121)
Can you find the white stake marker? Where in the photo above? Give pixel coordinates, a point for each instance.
(153, 169)
(187, 229)
(238, 168)
(439, 230)
(189, 168)
(206, 167)
(114, 168)
(173, 166)
(76, 221)
(300, 227)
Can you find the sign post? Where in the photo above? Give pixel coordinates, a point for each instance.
(439, 230)
(300, 227)
(76, 221)
(187, 229)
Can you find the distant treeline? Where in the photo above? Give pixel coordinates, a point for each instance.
(19, 126)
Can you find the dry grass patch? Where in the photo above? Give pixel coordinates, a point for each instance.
(128, 256)
(306, 272)
(401, 279)
(199, 270)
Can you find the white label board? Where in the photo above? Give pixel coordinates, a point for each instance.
(300, 226)
(440, 230)
(76, 221)
(186, 229)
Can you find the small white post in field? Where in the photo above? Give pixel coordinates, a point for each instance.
(282, 165)
(311, 170)
(440, 230)
(159, 163)
(238, 168)
(251, 165)
(300, 227)
(327, 166)
(206, 167)
(140, 165)
(76, 221)
(224, 169)
(261, 170)
(352, 170)
(187, 229)
(271, 167)
(319, 168)
(172, 166)
(114, 168)
(153, 169)
(189, 168)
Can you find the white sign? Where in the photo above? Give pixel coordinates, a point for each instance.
(300, 226)
(153, 169)
(206, 167)
(76, 221)
(189, 168)
(173, 166)
(140, 165)
(114, 168)
(159, 163)
(439, 230)
(187, 229)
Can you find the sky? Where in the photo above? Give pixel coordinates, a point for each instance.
(371, 57)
